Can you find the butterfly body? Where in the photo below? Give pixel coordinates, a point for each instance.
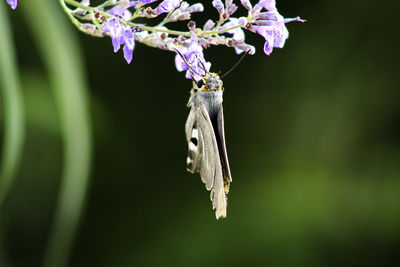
(206, 139)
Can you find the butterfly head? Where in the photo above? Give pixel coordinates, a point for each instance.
(210, 82)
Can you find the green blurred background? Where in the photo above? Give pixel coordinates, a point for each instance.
(312, 135)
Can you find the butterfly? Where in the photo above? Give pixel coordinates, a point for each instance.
(206, 139)
(205, 134)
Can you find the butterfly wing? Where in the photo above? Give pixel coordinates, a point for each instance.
(223, 153)
(204, 157)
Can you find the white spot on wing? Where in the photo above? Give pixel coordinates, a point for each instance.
(192, 147)
(195, 133)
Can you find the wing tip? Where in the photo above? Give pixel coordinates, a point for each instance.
(220, 214)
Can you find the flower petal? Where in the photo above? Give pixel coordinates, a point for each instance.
(12, 3)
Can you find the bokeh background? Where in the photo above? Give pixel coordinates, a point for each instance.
(312, 135)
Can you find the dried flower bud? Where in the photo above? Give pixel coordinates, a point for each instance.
(91, 30)
(191, 25)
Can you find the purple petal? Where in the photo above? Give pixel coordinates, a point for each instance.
(267, 4)
(12, 3)
(246, 4)
(196, 8)
(194, 56)
(120, 11)
(281, 36)
(293, 19)
(113, 27)
(128, 54)
(269, 45)
(232, 9)
(179, 63)
(268, 33)
(129, 40)
(238, 33)
(136, 3)
(168, 5)
(148, 1)
(218, 5)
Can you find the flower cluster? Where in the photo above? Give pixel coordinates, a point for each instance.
(118, 19)
(269, 24)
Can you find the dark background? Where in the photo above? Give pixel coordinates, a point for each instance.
(312, 134)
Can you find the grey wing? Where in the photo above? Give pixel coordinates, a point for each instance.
(223, 153)
(203, 156)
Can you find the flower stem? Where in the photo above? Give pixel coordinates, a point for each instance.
(71, 17)
(136, 12)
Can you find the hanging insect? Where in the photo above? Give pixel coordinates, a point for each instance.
(205, 135)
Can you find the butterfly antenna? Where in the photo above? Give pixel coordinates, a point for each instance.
(202, 66)
(237, 63)
(187, 63)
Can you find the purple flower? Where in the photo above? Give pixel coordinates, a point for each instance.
(196, 8)
(129, 39)
(12, 3)
(167, 6)
(193, 54)
(120, 12)
(136, 3)
(114, 28)
(275, 34)
(121, 35)
(270, 25)
(238, 33)
(246, 4)
(267, 4)
(218, 6)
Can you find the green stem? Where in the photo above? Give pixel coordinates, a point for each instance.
(165, 19)
(219, 23)
(106, 3)
(14, 131)
(71, 17)
(62, 57)
(136, 12)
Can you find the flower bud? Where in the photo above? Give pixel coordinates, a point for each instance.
(191, 25)
(97, 15)
(228, 3)
(232, 9)
(218, 6)
(246, 4)
(209, 25)
(196, 8)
